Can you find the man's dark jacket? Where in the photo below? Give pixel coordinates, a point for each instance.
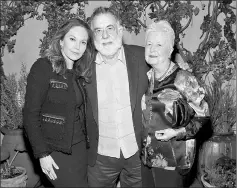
(138, 84)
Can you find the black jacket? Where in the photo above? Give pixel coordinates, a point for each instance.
(49, 110)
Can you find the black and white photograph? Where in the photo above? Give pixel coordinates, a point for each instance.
(118, 93)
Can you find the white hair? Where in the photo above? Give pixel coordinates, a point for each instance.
(161, 26)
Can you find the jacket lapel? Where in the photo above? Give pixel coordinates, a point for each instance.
(133, 76)
(92, 93)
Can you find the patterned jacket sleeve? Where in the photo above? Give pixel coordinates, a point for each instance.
(190, 89)
(36, 91)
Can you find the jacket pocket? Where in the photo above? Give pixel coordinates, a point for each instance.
(53, 126)
(58, 92)
(58, 84)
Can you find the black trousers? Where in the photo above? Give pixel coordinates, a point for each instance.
(72, 170)
(158, 177)
(108, 170)
(167, 178)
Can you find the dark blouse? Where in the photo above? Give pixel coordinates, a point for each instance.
(78, 134)
(157, 106)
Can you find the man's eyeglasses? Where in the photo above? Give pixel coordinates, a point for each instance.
(110, 30)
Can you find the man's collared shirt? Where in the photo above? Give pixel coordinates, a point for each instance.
(116, 129)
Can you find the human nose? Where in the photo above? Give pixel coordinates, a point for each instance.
(77, 45)
(105, 34)
(153, 48)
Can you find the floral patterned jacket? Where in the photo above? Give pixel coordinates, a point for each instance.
(157, 107)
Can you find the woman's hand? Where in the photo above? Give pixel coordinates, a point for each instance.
(47, 163)
(167, 134)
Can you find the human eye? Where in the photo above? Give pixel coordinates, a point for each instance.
(110, 28)
(98, 31)
(72, 39)
(84, 42)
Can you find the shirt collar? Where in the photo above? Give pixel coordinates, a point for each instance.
(99, 59)
(171, 69)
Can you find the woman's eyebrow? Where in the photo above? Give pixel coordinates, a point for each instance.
(71, 35)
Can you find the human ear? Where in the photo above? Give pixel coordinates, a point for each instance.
(61, 43)
(120, 30)
(171, 50)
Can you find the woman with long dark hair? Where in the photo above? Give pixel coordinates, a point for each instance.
(55, 105)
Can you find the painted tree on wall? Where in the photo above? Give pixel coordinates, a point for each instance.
(13, 16)
(15, 13)
(215, 55)
(218, 42)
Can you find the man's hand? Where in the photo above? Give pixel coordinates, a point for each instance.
(47, 163)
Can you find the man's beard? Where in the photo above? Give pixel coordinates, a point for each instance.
(110, 49)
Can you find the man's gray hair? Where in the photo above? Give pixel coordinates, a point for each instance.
(161, 26)
(104, 10)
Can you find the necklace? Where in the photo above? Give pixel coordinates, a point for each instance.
(164, 74)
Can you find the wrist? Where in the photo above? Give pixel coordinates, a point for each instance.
(180, 133)
(180, 130)
(46, 154)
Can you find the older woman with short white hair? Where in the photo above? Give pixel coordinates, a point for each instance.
(173, 111)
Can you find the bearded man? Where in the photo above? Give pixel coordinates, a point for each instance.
(118, 84)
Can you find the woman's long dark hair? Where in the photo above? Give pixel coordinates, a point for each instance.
(83, 66)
